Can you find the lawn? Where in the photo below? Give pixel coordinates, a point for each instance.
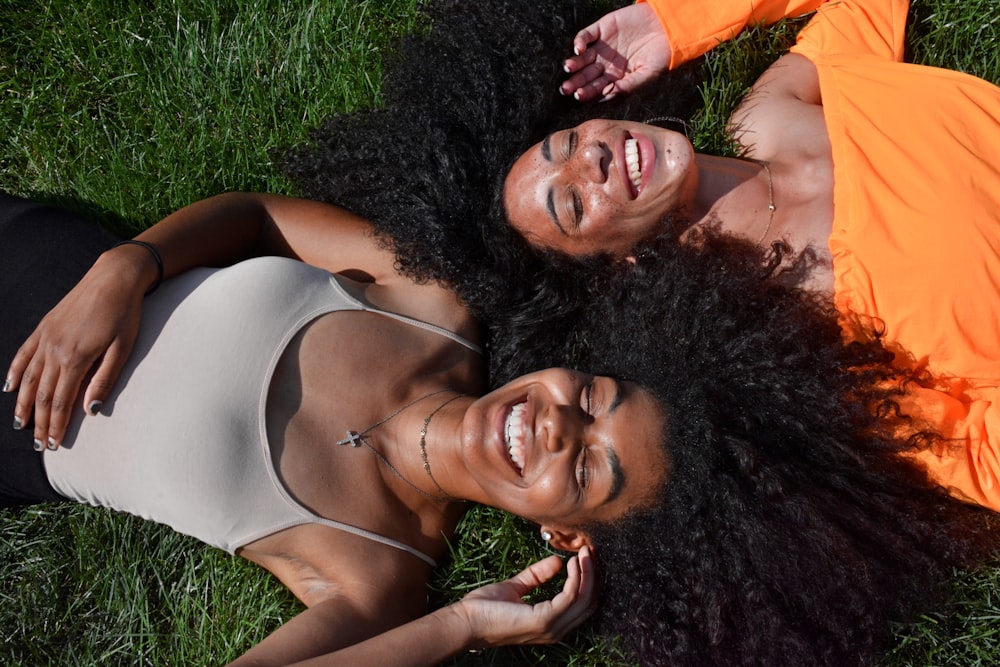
(126, 111)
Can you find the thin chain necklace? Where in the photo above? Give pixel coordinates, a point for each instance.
(770, 202)
(423, 446)
(356, 439)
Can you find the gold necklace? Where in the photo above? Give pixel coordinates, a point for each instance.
(771, 208)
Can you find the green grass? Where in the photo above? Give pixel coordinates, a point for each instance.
(129, 110)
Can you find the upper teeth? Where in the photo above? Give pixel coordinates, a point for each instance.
(514, 433)
(632, 162)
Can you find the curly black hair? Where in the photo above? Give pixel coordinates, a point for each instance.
(792, 528)
(462, 99)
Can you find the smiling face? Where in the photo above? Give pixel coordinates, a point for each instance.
(562, 448)
(602, 186)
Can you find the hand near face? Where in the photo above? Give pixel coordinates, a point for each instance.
(498, 616)
(622, 51)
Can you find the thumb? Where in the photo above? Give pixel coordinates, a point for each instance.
(536, 574)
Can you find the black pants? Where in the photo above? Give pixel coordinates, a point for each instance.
(44, 251)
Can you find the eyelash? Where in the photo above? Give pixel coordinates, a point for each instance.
(577, 201)
(581, 474)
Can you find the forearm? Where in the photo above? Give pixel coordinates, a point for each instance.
(425, 641)
(217, 231)
(694, 27)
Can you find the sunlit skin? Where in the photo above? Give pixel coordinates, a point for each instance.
(592, 451)
(572, 191)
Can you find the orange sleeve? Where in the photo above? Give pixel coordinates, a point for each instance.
(694, 27)
(854, 27)
(967, 460)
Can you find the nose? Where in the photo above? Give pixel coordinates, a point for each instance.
(594, 161)
(563, 428)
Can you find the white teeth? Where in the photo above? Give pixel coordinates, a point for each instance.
(514, 434)
(632, 163)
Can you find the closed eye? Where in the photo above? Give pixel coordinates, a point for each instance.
(582, 477)
(577, 208)
(586, 401)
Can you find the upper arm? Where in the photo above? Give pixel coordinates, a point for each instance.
(326, 236)
(349, 614)
(856, 27)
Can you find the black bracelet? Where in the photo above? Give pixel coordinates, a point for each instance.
(156, 257)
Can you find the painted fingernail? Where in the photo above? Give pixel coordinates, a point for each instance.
(53, 444)
(576, 50)
(566, 68)
(576, 96)
(94, 407)
(39, 445)
(6, 385)
(18, 424)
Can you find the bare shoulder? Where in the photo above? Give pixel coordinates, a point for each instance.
(782, 115)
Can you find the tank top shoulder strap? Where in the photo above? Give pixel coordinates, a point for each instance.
(348, 294)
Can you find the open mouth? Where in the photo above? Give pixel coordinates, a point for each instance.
(514, 432)
(632, 164)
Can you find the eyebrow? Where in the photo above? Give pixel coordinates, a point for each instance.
(617, 476)
(550, 202)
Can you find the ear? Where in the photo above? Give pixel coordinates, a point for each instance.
(567, 540)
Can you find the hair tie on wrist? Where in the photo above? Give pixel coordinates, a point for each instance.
(156, 258)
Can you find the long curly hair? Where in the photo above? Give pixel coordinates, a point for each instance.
(462, 99)
(792, 528)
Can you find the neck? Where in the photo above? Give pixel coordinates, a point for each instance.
(733, 195)
(442, 444)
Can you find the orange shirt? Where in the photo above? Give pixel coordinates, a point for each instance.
(916, 232)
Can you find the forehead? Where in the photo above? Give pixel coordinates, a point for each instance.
(635, 447)
(640, 449)
(528, 197)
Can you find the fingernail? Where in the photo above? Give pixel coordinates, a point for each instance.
(6, 385)
(566, 67)
(53, 444)
(39, 445)
(576, 50)
(576, 96)
(18, 424)
(94, 407)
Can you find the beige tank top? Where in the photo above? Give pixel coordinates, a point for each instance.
(182, 440)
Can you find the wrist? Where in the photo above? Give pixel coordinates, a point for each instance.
(458, 616)
(144, 259)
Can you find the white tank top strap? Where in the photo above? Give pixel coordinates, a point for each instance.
(420, 324)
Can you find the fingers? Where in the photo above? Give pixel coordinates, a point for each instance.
(46, 391)
(535, 575)
(585, 37)
(104, 378)
(587, 84)
(583, 69)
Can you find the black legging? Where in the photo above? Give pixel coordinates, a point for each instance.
(44, 251)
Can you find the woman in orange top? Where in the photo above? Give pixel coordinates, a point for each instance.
(883, 168)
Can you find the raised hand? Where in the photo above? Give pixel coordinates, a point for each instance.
(498, 615)
(622, 51)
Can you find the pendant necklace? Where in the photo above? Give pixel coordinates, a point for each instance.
(771, 208)
(356, 439)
